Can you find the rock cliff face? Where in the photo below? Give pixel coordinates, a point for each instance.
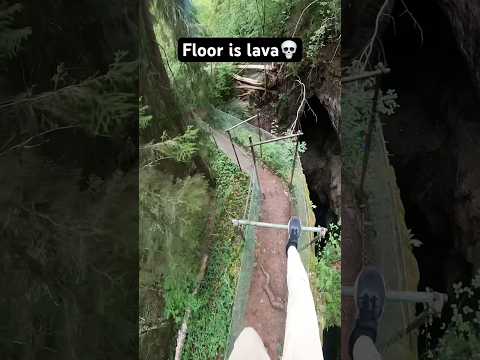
(434, 53)
(433, 136)
(463, 16)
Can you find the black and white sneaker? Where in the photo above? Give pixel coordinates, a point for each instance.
(294, 231)
(369, 298)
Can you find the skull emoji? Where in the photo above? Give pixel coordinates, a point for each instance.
(288, 48)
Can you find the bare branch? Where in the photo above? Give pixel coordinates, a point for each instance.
(367, 51)
(417, 25)
(301, 15)
(301, 107)
(26, 142)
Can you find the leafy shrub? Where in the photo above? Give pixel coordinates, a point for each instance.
(328, 14)
(10, 38)
(172, 220)
(328, 276)
(210, 323)
(357, 101)
(278, 156)
(461, 339)
(223, 84)
(238, 18)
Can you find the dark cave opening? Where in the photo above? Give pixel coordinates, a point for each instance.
(318, 162)
(435, 94)
(321, 140)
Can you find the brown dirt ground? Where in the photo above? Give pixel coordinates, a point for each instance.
(268, 321)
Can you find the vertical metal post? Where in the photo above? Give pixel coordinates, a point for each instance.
(265, 69)
(213, 137)
(259, 135)
(294, 162)
(254, 162)
(234, 150)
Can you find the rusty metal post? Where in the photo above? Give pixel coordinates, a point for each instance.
(213, 137)
(294, 162)
(254, 162)
(259, 136)
(234, 150)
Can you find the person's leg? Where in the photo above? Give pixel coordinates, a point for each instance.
(365, 349)
(249, 345)
(369, 298)
(302, 336)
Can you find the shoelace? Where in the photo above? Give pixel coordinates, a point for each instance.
(369, 304)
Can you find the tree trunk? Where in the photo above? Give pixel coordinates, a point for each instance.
(155, 84)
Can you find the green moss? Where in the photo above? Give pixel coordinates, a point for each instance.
(210, 323)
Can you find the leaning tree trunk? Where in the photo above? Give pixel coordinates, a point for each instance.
(155, 84)
(156, 89)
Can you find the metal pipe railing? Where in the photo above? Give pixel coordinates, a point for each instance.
(277, 139)
(241, 122)
(236, 222)
(406, 296)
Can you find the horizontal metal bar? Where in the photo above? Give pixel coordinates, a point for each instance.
(241, 122)
(277, 139)
(320, 230)
(365, 75)
(406, 296)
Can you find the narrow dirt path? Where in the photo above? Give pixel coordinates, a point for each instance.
(267, 317)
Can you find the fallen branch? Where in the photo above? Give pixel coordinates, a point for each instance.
(182, 333)
(247, 80)
(274, 301)
(254, 66)
(250, 87)
(25, 142)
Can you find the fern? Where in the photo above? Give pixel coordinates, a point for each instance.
(99, 104)
(10, 38)
(181, 148)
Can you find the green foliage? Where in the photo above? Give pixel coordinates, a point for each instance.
(210, 323)
(223, 84)
(278, 156)
(190, 81)
(328, 13)
(145, 119)
(328, 276)
(181, 148)
(173, 214)
(100, 104)
(357, 101)
(10, 38)
(461, 339)
(238, 18)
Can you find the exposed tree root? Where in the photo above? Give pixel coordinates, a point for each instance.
(274, 301)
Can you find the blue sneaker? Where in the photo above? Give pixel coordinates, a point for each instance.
(294, 231)
(369, 297)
